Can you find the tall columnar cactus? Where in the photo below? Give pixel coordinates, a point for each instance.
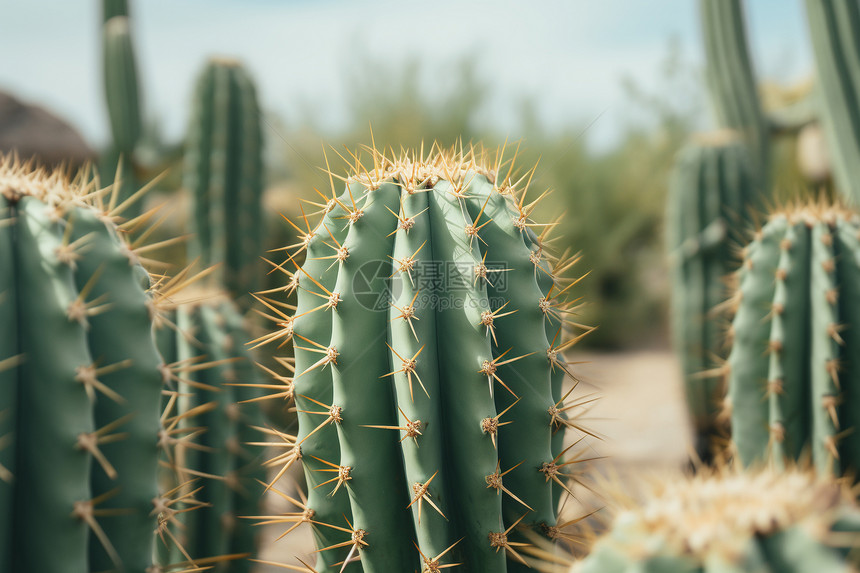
(111, 8)
(712, 199)
(122, 95)
(731, 80)
(80, 383)
(834, 27)
(223, 171)
(428, 340)
(222, 385)
(793, 371)
(724, 521)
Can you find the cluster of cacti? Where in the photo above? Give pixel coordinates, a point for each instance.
(793, 369)
(223, 172)
(81, 382)
(834, 27)
(731, 81)
(428, 369)
(122, 95)
(712, 199)
(208, 336)
(724, 521)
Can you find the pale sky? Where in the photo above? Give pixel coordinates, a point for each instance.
(569, 55)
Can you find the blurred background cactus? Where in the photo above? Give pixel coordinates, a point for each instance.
(208, 336)
(713, 200)
(223, 172)
(725, 520)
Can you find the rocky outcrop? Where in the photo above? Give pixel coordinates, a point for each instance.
(34, 132)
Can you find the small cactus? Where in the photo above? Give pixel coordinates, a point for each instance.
(793, 371)
(428, 340)
(721, 521)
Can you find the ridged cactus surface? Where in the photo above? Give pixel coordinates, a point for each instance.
(223, 171)
(219, 387)
(428, 339)
(794, 367)
(80, 405)
(728, 522)
(731, 79)
(834, 27)
(712, 199)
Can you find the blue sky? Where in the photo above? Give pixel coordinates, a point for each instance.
(569, 55)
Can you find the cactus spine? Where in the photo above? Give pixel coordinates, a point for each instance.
(727, 521)
(712, 192)
(427, 388)
(793, 371)
(80, 405)
(834, 27)
(223, 170)
(731, 80)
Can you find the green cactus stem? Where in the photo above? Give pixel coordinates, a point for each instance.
(792, 371)
(731, 80)
(834, 28)
(429, 393)
(223, 171)
(80, 406)
(223, 385)
(122, 95)
(712, 202)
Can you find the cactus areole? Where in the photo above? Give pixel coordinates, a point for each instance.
(429, 369)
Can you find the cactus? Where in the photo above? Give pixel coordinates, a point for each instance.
(428, 369)
(712, 198)
(731, 80)
(80, 405)
(726, 521)
(209, 337)
(834, 27)
(793, 368)
(111, 8)
(223, 171)
(122, 95)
